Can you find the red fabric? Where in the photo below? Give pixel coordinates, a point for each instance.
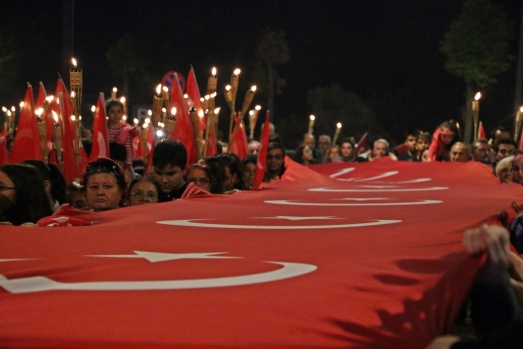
(210, 149)
(481, 131)
(26, 144)
(66, 216)
(262, 155)
(194, 95)
(437, 148)
(73, 168)
(520, 143)
(239, 143)
(42, 95)
(100, 140)
(183, 130)
(395, 285)
(362, 144)
(4, 155)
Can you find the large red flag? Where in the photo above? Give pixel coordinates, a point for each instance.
(262, 156)
(194, 96)
(4, 155)
(183, 130)
(239, 138)
(26, 144)
(369, 256)
(100, 140)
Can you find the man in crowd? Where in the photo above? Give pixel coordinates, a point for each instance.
(347, 151)
(481, 151)
(410, 149)
(459, 152)
(169, 166)
(275, 162)
(503, 147)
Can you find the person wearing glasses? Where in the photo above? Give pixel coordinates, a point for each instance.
(142, 191)
(275, 166)
(105, 185)
(23, 199)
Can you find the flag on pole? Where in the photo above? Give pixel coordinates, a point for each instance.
(26, 144)
(239, 138)
(262, 156)
(194, 96)
(481, 131)
(183, 130)
(4, 154)
(100, 139)
(42, 95)
(361, 146)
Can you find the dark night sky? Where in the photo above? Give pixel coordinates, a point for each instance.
(385, 51)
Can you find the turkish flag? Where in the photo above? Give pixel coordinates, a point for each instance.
(100, 140)
(363, 255)
(262, 155)
(4, 155)
(73, 167)
(183, 130)
(239, 138)
(194, 97)
(26, 144)
(481, 131)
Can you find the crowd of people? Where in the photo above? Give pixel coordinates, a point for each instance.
(34, 189)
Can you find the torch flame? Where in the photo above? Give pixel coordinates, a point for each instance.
(21, 104)
(201, 114)
(122, 100)
(338, 125)
(217, 110)
(49, 98)
(158, 89)
(55, 116)
(477, 96)
(115, 89)
(4, 109)
(228, 87)
(253, 88)
(258, 107)
(237, 71)
(173, 111)
(39, 111)
(149, 112)
(75, 63)
(213, 71)
(312, 117)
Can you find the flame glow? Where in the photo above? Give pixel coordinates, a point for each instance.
(477, 96)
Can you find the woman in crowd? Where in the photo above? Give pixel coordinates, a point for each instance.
(142, 191)
(54, 182)
(200, 175)
(23, 198)
(217, 168)
(105, 185)
(249, 170)
(504, 169)
(333, 153)
(442, 140)
(119, 131)
(303, 155)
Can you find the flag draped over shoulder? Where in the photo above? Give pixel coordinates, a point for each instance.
(262, 156)
(344, 255)
(239, 138)
(183, 130)
(26, 144)
(100, 139)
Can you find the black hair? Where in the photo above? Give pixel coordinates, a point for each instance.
(169, 153)
(50, 172)
(234, 163)
(104, 165)
(111, 102)
(217, 168)
(117, 151)
(31, 203)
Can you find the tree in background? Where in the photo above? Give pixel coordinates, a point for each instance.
(330, 105)
(477, 50)
(271, 50)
